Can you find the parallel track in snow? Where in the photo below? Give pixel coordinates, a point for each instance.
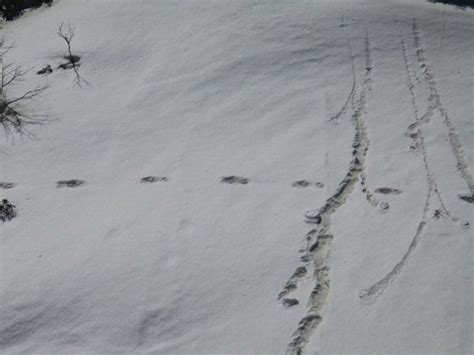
(433, 193)
(436, 104)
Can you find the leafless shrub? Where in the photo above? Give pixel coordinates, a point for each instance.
(67, 34)
(14, 114)
(7, 211)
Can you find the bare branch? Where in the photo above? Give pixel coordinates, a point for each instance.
(9, 74)
(67, 35)
(29, 95)
(14, 117)
(73, 60)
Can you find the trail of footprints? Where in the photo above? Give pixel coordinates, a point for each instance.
(319, 239)
(231, 179)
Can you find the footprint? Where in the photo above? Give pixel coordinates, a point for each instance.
(388, 190)
(467, 198)
(383, 207)
(234, 180)
(289, 302)
(306, 183)
(69, 183)
(312, 216)
(152, 179)
(301, 183)
(7, 185)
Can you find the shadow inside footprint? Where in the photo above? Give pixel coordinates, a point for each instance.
(234, 180)
(69, 183)
(7, 185)
(152, 179)
(388, 190)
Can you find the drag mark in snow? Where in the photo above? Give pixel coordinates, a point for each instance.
(319, 240)
(435, 104)
(370, 294)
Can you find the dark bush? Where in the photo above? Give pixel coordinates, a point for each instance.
(458, 3)
(7, 210)
(11, 9)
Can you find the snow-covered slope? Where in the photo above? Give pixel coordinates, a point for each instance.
(352, 96)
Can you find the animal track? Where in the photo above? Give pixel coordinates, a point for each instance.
(152, 179)
(436, 104)
(7, 185)
(306, 183)
(467, 198)
(234, 180)
(318, 241)
(301, 183)
(69, 183)
(290, 302)
(370, 294)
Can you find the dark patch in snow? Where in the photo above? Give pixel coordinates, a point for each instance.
(69, 183)
(7, 185)
(46, 70)
(72, 62)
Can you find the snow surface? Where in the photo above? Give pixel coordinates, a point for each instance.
(197, 90)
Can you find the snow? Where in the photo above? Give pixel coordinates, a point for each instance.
(197, 91)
